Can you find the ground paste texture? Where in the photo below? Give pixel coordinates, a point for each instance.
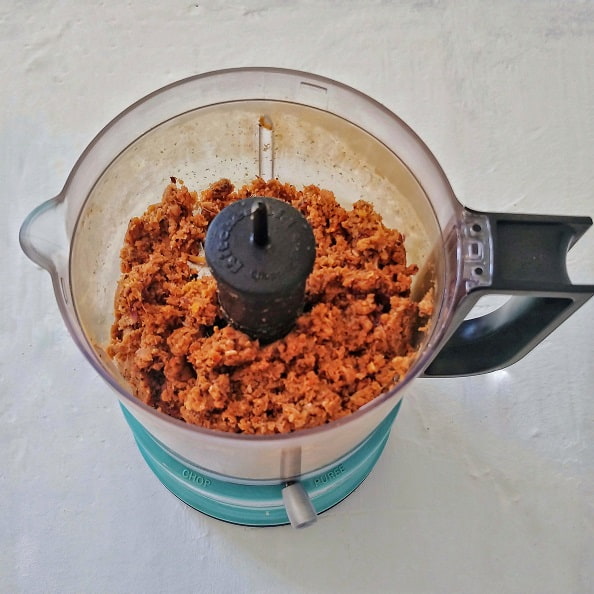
(355, 339)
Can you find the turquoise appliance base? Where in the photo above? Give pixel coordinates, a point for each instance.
(258, 503)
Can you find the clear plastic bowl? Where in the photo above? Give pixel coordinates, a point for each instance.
(208, 127)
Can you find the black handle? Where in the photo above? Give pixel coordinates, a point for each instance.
(526, 258)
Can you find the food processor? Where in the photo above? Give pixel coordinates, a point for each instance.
(302, 129)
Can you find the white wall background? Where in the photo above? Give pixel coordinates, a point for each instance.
(487, 483)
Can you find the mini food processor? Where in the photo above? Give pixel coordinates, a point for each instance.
(302, 129)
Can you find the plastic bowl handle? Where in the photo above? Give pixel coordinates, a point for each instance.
(519, 255)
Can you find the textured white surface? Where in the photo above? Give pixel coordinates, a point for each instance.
(487, 483)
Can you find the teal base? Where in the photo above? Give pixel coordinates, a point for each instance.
(259, 504)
